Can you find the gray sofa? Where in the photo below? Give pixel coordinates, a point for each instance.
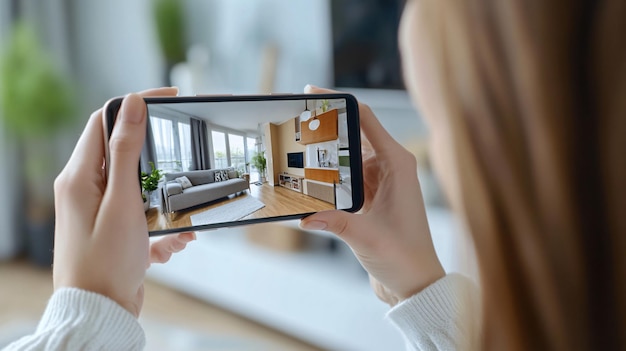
(204, 189)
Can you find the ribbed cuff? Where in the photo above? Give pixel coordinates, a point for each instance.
(443, 316)
(435, 308)
(87, 320)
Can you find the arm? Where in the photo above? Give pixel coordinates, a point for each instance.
(391, 239)
(101, 248)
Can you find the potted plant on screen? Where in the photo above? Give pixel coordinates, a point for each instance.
(149, 183)
(325, 105)
(260, 163)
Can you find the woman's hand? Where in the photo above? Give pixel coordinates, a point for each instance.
(390, 235)
(101, 234)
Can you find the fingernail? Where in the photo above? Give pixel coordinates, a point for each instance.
(313, 225)
(309, 87)
(133, 109)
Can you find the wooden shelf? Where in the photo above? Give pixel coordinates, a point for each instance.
(290, 181)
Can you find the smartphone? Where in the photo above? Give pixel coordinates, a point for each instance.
(221, 161)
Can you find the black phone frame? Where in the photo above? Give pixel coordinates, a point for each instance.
(112, 108)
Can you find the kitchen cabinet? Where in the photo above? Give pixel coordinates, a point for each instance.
(328, 128)
(322, 175)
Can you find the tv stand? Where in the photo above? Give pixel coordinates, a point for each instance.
(290, 181)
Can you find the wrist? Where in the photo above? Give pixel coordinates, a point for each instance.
(132, 305)
(426, 280)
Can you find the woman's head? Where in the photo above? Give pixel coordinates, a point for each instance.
(526, 103)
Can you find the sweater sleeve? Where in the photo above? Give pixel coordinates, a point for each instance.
(444, 316)
(76, 319)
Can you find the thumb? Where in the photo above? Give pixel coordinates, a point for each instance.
(126, 143)
(343, 224)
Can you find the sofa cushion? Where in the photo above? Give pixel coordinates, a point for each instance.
(221, 175)
(202, 177)
(232, 174)
(173, 188)
(195, 177)
(184, 182)
(200, 194)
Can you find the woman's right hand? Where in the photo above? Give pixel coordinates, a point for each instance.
(390, 235)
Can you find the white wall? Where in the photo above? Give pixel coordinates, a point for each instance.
(115, 49)
(236, 32)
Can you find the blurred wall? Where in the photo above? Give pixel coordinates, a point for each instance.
(8, 239)
(237, 31)
(114, 48)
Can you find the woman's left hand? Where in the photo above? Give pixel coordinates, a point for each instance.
(101, 234)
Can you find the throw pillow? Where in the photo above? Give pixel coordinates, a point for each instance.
(184, 182)
(232, 174)
(221, 175)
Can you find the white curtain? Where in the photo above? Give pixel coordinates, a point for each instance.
(165, 147)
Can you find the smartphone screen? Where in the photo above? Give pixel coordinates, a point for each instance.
(211, 162)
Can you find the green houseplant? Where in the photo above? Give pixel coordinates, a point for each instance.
(150, 183)
(36, 102)
(260, 163)
(169, 18)
(325, 105)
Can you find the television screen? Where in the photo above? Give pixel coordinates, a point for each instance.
(295, 159)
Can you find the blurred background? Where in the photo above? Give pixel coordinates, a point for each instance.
(230, 290)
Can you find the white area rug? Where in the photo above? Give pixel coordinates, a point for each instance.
(231, 211)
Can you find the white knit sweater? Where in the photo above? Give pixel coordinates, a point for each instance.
(444, 316)
(81, 320)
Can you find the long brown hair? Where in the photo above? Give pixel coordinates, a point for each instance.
(535, 95)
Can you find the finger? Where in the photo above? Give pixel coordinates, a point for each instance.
(312, 89)
(165, 91)
(380, 139)
(162, 250)
(89, 150)
(345, 225)
(126, 143)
